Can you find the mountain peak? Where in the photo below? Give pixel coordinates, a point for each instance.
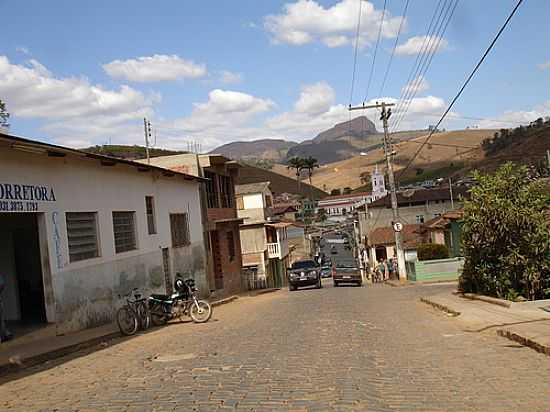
(359, 127)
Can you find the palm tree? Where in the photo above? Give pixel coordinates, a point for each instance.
(309, 164)
(298, 164)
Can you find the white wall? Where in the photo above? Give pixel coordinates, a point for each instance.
(253, 201)
(85, 291)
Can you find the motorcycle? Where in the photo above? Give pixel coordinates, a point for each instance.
(183, 302)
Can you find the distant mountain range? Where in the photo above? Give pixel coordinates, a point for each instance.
(340, 142)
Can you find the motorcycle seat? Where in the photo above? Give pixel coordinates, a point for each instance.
(161, 297)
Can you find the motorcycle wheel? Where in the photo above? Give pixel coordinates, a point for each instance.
(158, 320)
(144, 316)
(127, 321)
(201, 311)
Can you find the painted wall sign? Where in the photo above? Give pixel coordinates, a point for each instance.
(24, 198)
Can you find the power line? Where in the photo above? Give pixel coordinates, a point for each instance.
(375, 51)
(458, 117)
(468, 79)
(394, 47)
(435, 40)
(355, 53)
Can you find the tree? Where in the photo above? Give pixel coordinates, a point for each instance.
(296, 163)
(309, 164)
(321, 215)
(4, 115)
(347, 190)
(335, 192)
(506, 236)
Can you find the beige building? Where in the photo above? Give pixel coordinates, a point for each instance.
(264, 242)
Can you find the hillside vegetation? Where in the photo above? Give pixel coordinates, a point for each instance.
(129, 152)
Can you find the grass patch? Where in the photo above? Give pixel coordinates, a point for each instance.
(433, 174)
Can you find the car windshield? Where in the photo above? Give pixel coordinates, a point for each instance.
(303, 264)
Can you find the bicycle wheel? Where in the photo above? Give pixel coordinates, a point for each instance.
(127, 321)
(143, 315)
(200, 311)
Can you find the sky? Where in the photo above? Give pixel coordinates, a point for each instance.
(79, 73)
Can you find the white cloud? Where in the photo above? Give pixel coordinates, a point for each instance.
(315, 98)
(155, 68)
(72, 108)
(305, 21)
(515, 118)
(415, 45)
(228, 77)
(22, 50)
(544, 66)
(418, 85)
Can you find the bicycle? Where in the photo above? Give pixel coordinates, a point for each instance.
(134, 314)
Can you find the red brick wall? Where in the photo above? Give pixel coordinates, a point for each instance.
(221, 213)
(231, 268)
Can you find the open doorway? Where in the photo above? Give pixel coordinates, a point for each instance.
(381, 253)
(20, 262)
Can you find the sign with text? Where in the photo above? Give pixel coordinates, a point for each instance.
(16, 197)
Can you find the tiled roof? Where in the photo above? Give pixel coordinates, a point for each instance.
(420, 195)
(412, 236)
(351, 195)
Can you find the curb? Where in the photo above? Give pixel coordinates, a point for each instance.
(224, 301)
(9, 368)
(263, 291)
(397, 283)
(524, 341)
(487, 299)
(441, 307)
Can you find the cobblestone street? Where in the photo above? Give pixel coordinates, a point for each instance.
(371, 348)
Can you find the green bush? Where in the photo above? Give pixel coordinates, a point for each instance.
(431, 251)
(506, 236)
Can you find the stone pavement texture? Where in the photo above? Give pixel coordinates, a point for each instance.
(374, 348)
(527, 322)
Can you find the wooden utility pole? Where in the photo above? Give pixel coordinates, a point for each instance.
(388, 151)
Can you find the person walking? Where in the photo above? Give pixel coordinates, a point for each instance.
(380, 271)
(5, 334)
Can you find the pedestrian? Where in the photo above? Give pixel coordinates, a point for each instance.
(5, 334)
(391, 268)
(380, 271)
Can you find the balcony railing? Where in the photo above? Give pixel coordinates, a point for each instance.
(277, 250)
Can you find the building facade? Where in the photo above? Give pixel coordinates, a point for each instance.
(222, 223)
(77, 230)
(264, 241)
(337, 207)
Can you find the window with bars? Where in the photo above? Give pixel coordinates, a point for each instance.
(231, 246)
(150, 211)
(82, 235)
(226, 191)
(179, 226)
(211, 190)
(124, 228)
(419, 218)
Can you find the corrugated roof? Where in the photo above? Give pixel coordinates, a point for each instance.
(60, 151)
(251, 188)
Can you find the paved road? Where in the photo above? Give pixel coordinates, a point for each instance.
(343, 255)
(373, 348)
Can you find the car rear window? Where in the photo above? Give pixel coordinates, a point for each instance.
(303, 264)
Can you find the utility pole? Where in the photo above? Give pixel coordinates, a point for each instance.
(147, 129)
(388, 151)
(451, 190)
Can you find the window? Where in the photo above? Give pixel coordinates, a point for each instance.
(150, 211)
(211, 190)
(231, 246)
(124, 228)
(226, 191)
(240, 203)
(82, 235)
(419, 218)
(179, 226)
(437, 214)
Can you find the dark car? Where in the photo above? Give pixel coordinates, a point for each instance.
(333, 250)
(304, 273)
(346, 273)
(326, 271)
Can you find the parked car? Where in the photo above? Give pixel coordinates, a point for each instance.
(333, 250)
(326, 271)
(304, 273)
(346, 273)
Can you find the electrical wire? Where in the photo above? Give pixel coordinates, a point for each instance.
(403, 15)
(464, 85)
(437, 38)
(355, 53)
(375, 51)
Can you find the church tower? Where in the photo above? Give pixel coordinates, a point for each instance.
(378, 185)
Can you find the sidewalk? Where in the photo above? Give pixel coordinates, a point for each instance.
(527, 322)
(44, 344)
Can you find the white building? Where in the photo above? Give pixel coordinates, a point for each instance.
(337, 207)
(78, 229)
(264, 242)
(378, 185)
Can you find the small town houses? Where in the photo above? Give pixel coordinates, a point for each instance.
(77, 230)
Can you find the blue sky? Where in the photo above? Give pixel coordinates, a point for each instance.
(79, 73)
